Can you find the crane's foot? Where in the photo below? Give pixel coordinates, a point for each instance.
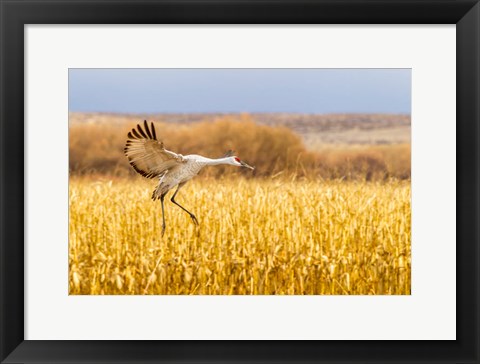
(194, 219)
(163, 230)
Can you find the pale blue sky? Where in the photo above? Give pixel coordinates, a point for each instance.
(240, 90)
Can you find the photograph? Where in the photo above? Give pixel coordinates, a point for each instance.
(229, 181)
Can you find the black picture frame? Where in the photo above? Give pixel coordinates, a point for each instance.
(15, 14)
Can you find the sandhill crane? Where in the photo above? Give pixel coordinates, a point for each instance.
(148, 157)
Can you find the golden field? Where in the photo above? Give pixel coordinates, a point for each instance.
(256, 236)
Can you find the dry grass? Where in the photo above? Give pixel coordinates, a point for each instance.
(257, 236)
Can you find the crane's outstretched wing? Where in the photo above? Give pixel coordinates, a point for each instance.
(147, 155)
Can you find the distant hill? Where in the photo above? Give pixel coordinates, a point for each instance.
(317, 130)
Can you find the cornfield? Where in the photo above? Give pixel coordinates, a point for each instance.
(256, 237)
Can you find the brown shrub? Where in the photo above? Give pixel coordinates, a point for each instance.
(365, 162)
(273, 150)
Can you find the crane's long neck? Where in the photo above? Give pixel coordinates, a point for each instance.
(217, 161)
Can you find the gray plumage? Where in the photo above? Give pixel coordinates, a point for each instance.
(148, 156)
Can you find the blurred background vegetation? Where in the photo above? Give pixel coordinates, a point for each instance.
(369, 147)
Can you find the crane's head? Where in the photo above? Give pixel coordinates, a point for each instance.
(237, 162)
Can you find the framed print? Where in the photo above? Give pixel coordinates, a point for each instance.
(239, 181)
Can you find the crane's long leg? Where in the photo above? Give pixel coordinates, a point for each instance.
(194, 219)
(163, 214)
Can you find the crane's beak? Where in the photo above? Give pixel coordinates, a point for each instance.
(246, 165)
